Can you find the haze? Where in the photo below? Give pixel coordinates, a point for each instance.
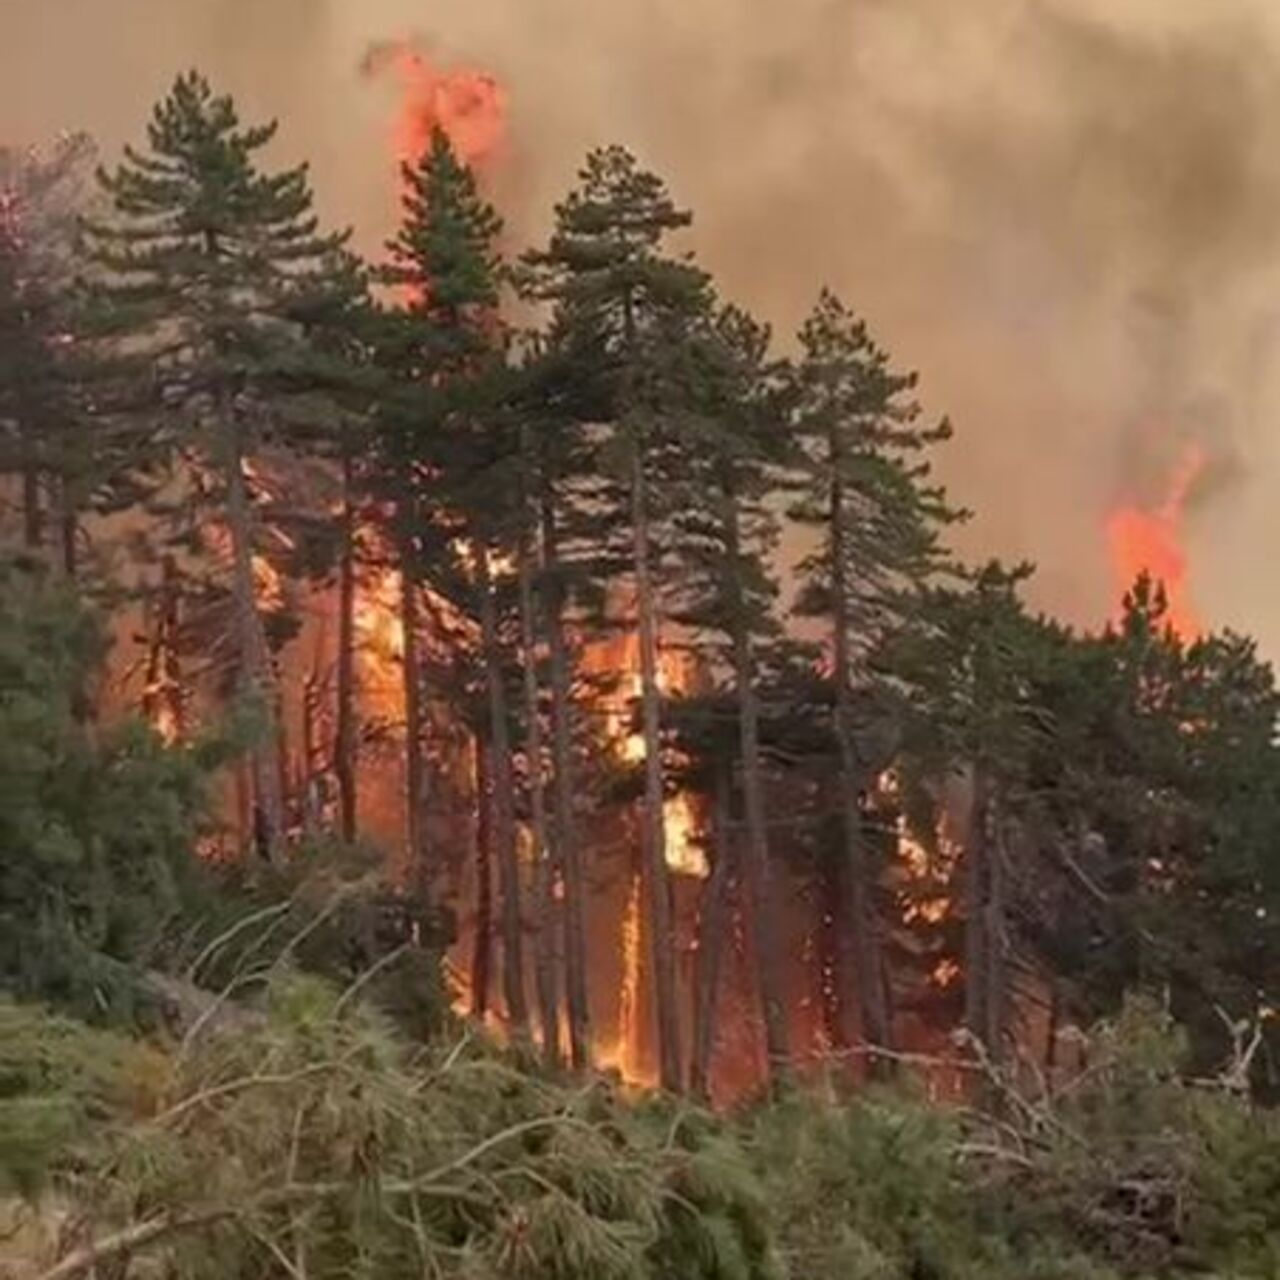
(1069, 222)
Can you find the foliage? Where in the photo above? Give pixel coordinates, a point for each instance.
(330, 912)
(1128, 1170)
(99, 823)
(320, 1142)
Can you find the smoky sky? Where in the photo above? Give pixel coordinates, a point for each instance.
(1064, 213)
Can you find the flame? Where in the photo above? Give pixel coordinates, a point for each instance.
(165, 719)
(685, 854)
(918, 868)
(1144, 540)
(470, 106)
(623, 1055)
(380, 645)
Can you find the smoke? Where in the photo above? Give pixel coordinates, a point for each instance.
(1064, 213)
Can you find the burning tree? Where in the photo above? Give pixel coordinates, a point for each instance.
(633, 308)
(449, 454)
(206, 264)
(866, 494)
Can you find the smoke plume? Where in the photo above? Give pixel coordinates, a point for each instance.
(1064, 213)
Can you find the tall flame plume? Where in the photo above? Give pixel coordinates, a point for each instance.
(1150, 540)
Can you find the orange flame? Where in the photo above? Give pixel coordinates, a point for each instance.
(1144, 540)
(470, 106)
(685, 854)
(623, 1055)
(380, 645)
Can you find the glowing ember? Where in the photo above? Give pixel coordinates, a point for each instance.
(470, 106)
(1149, 541)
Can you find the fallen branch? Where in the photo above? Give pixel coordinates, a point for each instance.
(123, 1243)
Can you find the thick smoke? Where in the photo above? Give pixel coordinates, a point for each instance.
(1068, 220)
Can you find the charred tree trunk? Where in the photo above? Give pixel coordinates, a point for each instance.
(504, 808)
(657, 883)
(414, 784)
(762, 904)
(544, 961)
(713, 925)
(345, 730)
(568, 857)
(256, 673)
(873, 1006)
(481, 948)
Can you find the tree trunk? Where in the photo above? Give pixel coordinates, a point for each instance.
(984, 999)
(568, 856)
(481, 950)
(414, 784)
(162, 701)
(975, 893)
(68, 531)
(873, 1006)
(311, 780)
(657, 883)
(544, 961)
(284, 769)
(256, 674)
(997, 949)
(833, 962)
(713, 922)
(344, 746)
(504, 808)
(762, 907)
(32, 514)
(1054, 1024)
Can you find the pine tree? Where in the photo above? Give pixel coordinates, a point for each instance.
(454, 464)
(877, 519)
(331, 420)
(205, 260)
(974, 665)
(529, 568)
(724, 593)
(571, 515)
(631, 307)
(50, 438)
(98, 823)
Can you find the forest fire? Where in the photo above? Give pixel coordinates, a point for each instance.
(1149, 540)
(494, 676)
